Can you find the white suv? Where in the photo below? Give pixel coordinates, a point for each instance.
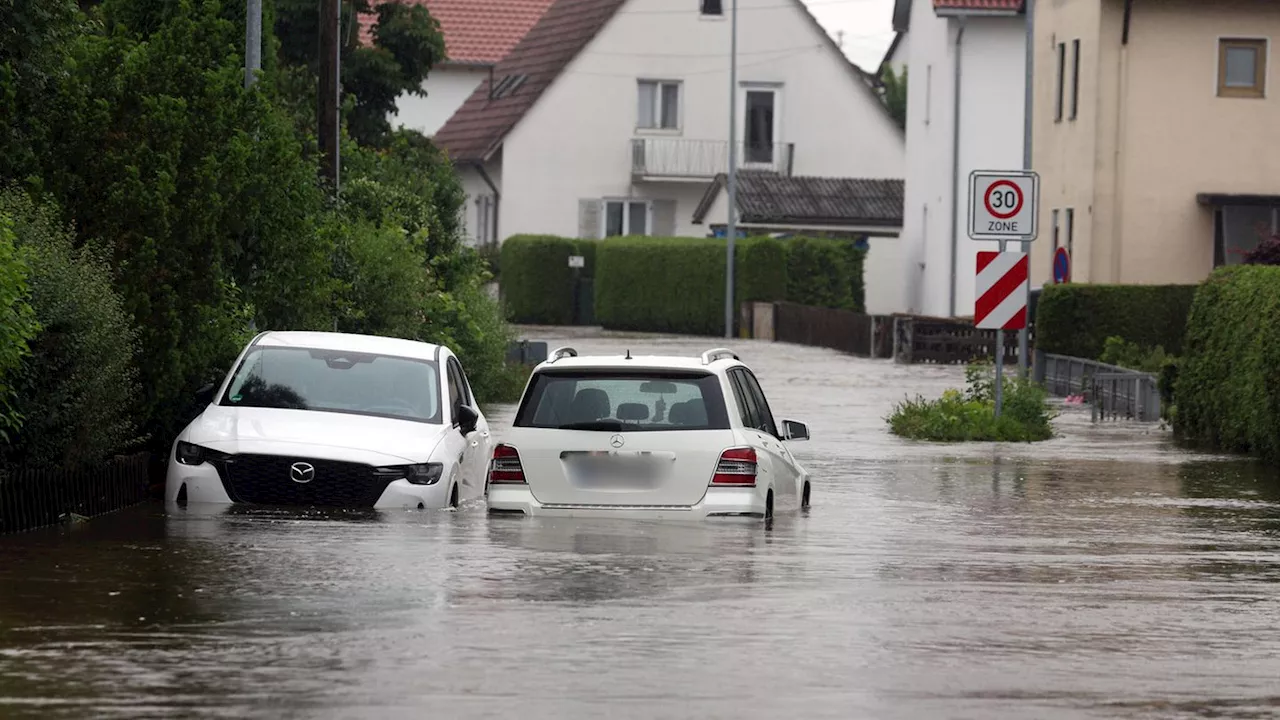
(646, 437)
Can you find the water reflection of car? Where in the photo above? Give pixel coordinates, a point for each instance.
(334, 420)
(646, 437)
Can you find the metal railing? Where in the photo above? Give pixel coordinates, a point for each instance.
(661, 157)
(1113, 392)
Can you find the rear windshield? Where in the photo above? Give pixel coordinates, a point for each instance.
(630, 400)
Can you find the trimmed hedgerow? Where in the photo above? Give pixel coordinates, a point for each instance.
(677, 284)
(537, 282)
(1076, 320)
(825, 272)
(1228, 380)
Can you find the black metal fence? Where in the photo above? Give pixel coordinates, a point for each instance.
(36, 498)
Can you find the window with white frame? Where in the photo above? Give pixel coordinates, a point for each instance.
(626, 217)
(484, 231)
(658, 106)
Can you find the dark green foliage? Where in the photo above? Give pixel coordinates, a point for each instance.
(893, 92)
(677, 284)
(970, 415)
(77, 392)
(537, 282)
(1228, 380)
(825, 272)
(17, 325)
(1123, 353)
(1076, 320)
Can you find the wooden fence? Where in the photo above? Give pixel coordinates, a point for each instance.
(36, 498)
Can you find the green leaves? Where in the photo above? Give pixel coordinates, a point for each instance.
(18, 325)
(970, 415)
(1076, 320)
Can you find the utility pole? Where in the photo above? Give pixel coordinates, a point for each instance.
(731, 233)
(1027, 103)
(330, 17)
(252, 41)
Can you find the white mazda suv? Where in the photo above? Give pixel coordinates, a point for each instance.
(652, 437)
(318, 419)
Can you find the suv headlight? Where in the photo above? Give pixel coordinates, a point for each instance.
(189, 454)
(422, 474)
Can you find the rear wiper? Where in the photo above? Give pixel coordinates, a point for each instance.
(602, 425)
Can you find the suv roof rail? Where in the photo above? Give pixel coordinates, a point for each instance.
(561, 352)
(715, 354)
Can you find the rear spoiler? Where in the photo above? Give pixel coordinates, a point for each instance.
(715, 354)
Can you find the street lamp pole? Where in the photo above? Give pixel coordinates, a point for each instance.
(731, 231)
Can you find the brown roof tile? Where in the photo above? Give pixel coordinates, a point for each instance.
(479, 126)
(475, 31)
(1005, 5)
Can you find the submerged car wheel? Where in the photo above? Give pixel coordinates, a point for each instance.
(453, 497)
(804, 496)
(768, 506)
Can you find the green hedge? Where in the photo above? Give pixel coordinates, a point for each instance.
(537, 283)
(1228, 384)
(1076, 320)
(825, 273)
(677, 284)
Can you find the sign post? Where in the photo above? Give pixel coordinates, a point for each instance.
(1004, 205)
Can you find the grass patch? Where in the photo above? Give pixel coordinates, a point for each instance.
(970, 414)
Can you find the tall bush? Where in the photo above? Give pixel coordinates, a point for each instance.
(78, 391)
(1076, 320)
(1228, 381)
(825, 272)
(18, 326)
(537, 282)
(677, 284)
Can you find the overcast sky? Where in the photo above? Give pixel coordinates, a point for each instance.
(867, 27)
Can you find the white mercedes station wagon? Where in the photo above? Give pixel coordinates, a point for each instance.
(317, 419)
(646, 437)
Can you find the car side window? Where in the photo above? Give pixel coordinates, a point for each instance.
(455, 394)
(745, 406)
(464, 387)
(762, 405)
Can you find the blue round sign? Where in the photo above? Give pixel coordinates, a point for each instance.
(1061, 266)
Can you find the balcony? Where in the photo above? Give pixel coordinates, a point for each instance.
(658, 159)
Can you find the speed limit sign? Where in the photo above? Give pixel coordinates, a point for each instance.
(1003, 205)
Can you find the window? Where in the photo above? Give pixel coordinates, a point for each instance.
(658, 107)
(1071, 229)
(712, 7)
(751, 401)
(626, 217)
(336, 381)
(1057, 241)
(1075, 78)
(613, 400)
(760, 126)
(455, 392)
(1060, 88)
(484, 220)
(1242, 68)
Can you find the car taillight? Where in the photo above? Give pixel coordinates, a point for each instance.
(737, 466)
(505, 469)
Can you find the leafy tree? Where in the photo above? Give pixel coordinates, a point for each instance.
(893, 92)
(17, 325)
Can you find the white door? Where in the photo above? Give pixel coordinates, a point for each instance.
(758, 422)
(760, 127)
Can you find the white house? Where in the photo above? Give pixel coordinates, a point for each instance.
(477, 34)
(611, 117)
(965, 108)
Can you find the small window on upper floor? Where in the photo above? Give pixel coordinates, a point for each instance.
(712, 7)
(1242, 68)
(658, 105)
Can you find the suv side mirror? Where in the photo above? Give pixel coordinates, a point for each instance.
(204, 396)
(467, 418)
(793, 430)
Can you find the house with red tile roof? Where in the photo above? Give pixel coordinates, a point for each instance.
(477, 34)
(966, 62)
(611, 117)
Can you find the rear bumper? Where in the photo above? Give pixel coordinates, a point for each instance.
(718, 502)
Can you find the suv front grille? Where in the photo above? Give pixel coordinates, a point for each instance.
(268, 480)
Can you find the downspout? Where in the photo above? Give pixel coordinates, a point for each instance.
(1122, 132)
(497, 196)
(955, 168)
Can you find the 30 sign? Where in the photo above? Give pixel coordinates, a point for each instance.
(1004, 205)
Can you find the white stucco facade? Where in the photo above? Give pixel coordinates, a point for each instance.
(990, 53)
(575, 145)
(447, 87)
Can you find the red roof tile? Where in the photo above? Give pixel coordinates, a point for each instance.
(475, 31)
(1004, 5)
(479, 126)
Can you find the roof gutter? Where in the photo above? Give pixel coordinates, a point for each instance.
(955, 167)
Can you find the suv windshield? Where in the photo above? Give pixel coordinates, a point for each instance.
(611, 400)
(337, 381)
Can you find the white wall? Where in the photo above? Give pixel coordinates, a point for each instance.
(991, 132)
(475, 187)
(575, 142)
(447, 87)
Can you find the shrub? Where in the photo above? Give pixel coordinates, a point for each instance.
(677, 284)
(818, 273)
(537, 282)
(1123, 353)
(78, 392)
(1228, 380)
(1267, 252)
(1076, 320)
(18, 325)
(969, 415)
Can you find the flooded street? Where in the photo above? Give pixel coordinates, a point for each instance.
(1106, 573)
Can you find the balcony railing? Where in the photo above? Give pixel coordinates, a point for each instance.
(656, 158)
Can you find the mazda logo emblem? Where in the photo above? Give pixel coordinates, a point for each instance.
(617, 441)
(301, 472)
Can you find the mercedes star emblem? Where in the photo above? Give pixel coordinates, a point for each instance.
(301, 472)
(617, 441)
